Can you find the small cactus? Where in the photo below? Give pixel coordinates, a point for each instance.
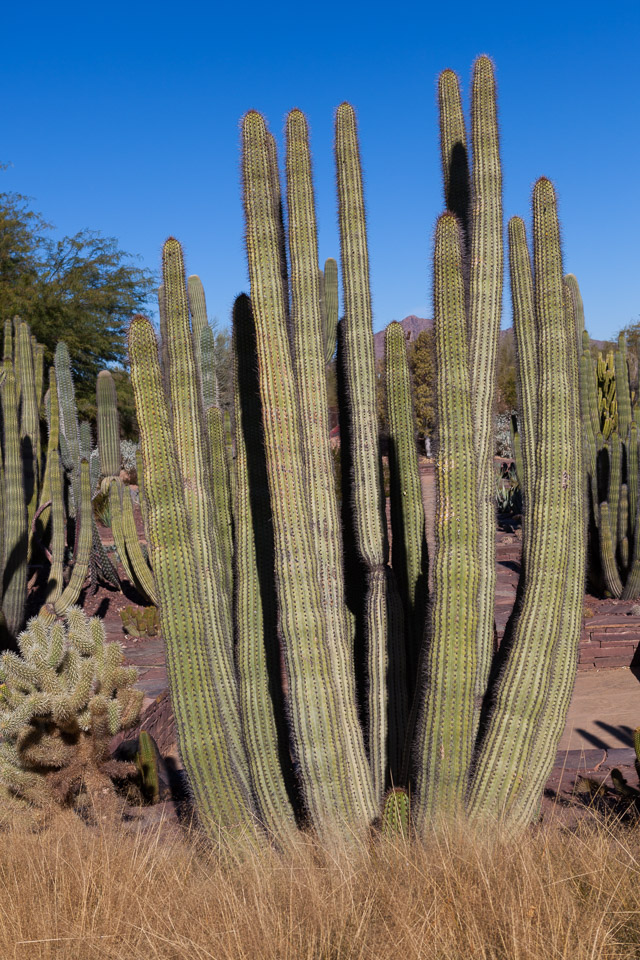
(63, 699)
(140, 621)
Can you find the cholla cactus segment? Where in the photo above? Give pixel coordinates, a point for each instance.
(62, 699)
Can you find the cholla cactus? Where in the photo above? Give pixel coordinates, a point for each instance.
(60, 704)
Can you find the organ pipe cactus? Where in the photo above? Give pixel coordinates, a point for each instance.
(612, 469)
(287, 666)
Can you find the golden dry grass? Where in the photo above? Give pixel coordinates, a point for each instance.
(70, 892)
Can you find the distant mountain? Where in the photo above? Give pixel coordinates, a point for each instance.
(412, 327)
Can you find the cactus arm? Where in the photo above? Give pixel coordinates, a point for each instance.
(520, 691)
(526, 358)
(53, 445)
(485, 307)
(29, 429)
(71, 592)
(142, 575)
(564, 656)
(409, 545)
(108, 425)
(115, 509)
(15, 512)
(215, 766)
(221, 487)
(330, 308)
(445, 728)
(385, 686)
(453, 153)
(623, 391)
(208, 369)
(309, 354)
(255, 605)
(333, 793)
(55, 584)
(198, 310)
(578, 308)
(607, 551)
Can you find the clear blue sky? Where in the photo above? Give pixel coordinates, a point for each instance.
(123, 117)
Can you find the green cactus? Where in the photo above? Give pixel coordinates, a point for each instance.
(108, 425)
(196, 650)
(140, 621)
(146, 760)
(395, 813)
(330, 308)
(409, 543)
(288, 619)
(63, 699)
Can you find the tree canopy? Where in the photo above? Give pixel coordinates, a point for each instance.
(81, 289)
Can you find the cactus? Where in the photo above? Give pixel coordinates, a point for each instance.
(270, 656)
(63, 699)
(146, 761)
(140, 622)
(395, 813)
(108, 425)
(611, 466)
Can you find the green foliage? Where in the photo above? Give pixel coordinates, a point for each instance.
(63, 699)
(422, 363)
(81, 289)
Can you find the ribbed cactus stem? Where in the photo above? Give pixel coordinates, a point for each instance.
(255, 605)
(383, 632)
(453, 153)
(564, 657)
(527, 363)
(55, 584)
(485, 308)
(192, 447)
(15, 511)
(216, 770)
(623, 392)
(221, 487)
(519, 699)
(208, 368)
(142, 575)
(330, 308)
(198, 310)
(578, 308)
(445, 729)
(409, 544)
(309, 365)
(108, 425)
(29, 429)
(323, 745)
(71, 592)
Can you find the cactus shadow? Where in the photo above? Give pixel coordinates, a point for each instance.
(622, 733)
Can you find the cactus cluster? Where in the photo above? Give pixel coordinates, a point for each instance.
(611, 455)
(61, 701)
(309, 669)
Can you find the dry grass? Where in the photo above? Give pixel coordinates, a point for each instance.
(69, 891)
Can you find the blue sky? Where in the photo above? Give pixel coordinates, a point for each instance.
(124, 118)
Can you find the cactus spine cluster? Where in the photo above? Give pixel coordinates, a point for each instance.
(287, 646)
